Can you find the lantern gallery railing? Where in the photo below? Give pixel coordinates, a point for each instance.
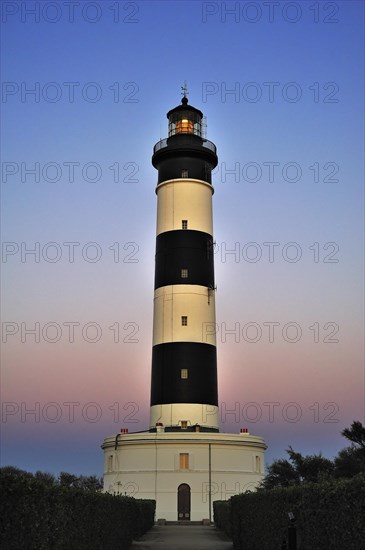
(205, 143)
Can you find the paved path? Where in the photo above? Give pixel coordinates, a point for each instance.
(183, 537)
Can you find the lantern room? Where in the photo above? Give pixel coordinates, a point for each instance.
(185, 119)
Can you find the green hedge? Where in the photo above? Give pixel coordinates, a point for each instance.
(146, 516)
(40, 517)
(222, 515)
(329, 515)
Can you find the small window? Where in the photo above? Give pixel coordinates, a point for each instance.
(184, 320)
(184, 224)
(184, 273)
(257, 464)
(184, 424)
(184, 173)
(184, 374)
(110, 463)
(184, 461)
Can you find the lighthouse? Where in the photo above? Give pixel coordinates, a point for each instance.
(184, 393)
(182, 460)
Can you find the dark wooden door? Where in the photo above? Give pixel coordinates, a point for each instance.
(183, 502)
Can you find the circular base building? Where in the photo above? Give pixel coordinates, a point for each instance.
(183, 472)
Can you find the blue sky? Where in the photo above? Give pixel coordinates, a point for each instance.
(292, 131)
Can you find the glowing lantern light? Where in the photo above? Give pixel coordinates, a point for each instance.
(184, 126)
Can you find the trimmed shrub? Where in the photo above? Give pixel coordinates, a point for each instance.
(222, 515)
(328, 515)
(146, 516)
(37, 516)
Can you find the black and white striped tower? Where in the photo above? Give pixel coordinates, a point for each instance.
(184, 392)
(166, 463)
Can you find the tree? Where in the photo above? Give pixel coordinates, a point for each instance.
(86, 483)
(350, 461)
(298, 469)
(45, 477)
(90, 483)
(347, 463)
(311, 467)
(67, 480)
(281, 473)
(15, 472)
(355, 434)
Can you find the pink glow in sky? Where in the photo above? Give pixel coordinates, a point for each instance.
(292, 370)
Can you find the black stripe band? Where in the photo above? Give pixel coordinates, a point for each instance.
(168, 386)
(185, 153)
(184, 250)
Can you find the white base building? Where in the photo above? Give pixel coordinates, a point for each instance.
(183, 472)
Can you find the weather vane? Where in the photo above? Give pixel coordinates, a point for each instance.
(184, 89)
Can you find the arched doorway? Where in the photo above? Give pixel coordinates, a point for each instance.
(183, 502)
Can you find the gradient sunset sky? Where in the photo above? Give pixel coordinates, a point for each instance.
(281, 85)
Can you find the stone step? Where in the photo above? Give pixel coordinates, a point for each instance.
(187, 522)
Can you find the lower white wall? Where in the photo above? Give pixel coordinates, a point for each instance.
(151, 469)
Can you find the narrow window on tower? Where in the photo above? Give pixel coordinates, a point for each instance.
(110, 463)
(257, 464)
(184, 173)
(184, 224)
(184, 273)
(184, 374)
(184, 320)
(184, 461)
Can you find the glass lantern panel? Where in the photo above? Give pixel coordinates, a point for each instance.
(184, 126)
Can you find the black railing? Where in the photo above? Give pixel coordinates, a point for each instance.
(160, 145)
(206, 143)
